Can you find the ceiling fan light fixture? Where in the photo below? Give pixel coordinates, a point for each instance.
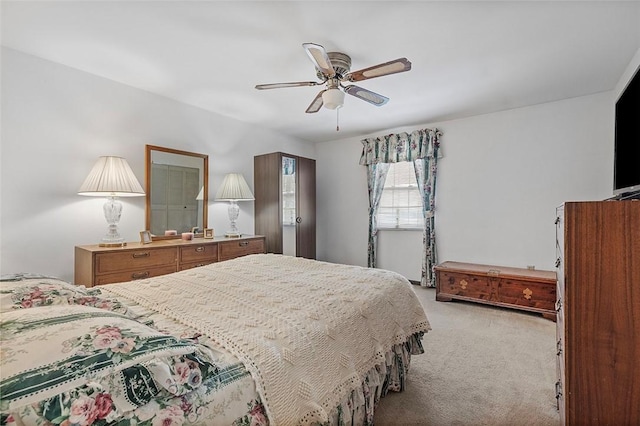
(333, 69)
(333, 98)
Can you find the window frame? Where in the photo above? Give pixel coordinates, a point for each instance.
(413, 185)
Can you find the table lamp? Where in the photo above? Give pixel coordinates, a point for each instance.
(112, 177)
(234, 188)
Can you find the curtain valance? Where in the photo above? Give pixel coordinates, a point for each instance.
(399, 147)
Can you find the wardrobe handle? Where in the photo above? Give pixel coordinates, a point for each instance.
(298, 219)
(243, 243)
(200, 249)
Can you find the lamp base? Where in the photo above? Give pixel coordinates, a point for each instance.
(122, 244)
(112, 211)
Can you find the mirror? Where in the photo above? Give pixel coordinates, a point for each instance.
(289, 213)
(177, 191)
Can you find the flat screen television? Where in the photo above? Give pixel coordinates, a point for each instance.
(626, 166)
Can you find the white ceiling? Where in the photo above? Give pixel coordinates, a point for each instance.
(468, 57)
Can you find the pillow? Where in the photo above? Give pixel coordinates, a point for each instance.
(22, 291)
(56, 357)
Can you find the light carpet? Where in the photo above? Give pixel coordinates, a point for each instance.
(482, 366)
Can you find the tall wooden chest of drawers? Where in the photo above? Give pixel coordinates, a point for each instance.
(517, 288)
(95, 265)
(598, 327)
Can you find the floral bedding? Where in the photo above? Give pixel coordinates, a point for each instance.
(76, 356)
(24, 291)
(66, 363)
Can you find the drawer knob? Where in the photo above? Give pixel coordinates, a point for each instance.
(139, 255)
(200, 249)
(140, 275)
(244, 243)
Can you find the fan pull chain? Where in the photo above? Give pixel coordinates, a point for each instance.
(337, 119)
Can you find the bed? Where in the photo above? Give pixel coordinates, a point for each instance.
(262, 339)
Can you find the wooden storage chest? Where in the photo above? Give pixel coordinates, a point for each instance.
(518, 288)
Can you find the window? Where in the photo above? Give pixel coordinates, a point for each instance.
(400, 203)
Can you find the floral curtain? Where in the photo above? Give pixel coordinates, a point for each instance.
(376, 175)
(422, 147)
(399, 147)
(426, 177)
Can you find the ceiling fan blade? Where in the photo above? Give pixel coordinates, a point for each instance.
(366, 95)
(320, 59)
(316, 104)
(281, 85)
(391, 67)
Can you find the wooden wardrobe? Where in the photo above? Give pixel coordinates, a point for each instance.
(285, 203)
(598, 305)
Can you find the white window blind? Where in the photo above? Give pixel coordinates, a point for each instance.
(400, 204)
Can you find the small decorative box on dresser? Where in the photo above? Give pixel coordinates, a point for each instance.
(95, 265)
(524, 289)
(598, 327)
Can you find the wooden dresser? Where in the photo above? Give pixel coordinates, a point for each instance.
(598, 327)
(95, 265)
(524, 289)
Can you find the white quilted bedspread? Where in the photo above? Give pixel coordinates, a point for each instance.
(307, 331)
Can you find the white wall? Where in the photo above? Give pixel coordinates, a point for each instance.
(501, 178)
(498, 185)
(56, 122)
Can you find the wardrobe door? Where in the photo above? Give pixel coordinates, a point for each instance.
(306, 208)
(268, 202)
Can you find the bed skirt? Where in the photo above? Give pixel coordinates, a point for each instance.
(358, 408)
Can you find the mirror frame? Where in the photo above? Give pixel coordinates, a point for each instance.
(205, 202)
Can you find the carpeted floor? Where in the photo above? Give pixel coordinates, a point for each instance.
(482, 366)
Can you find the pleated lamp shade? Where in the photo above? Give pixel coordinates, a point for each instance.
(234, 188)
(111, 177)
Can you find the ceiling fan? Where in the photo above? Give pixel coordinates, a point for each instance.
(333, 69)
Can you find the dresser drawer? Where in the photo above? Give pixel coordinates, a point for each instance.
(199, 253)
(138, 274)
(191, 265)
(135, 259)
(230, 249)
